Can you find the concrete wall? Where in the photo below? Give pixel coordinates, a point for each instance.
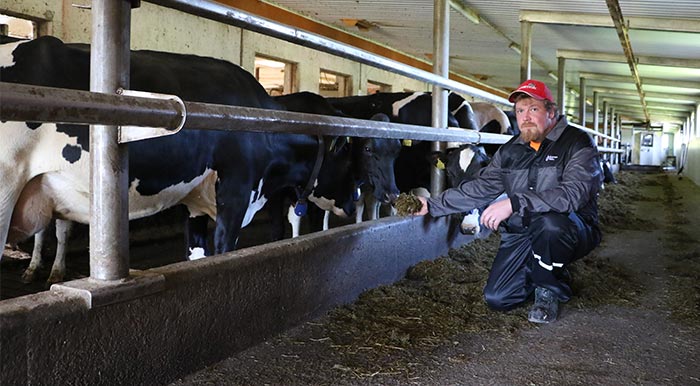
(692, 166)
(170, 321)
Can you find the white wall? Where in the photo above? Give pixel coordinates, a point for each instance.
(692, 166)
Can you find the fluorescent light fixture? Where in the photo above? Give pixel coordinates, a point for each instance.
(465, 11)
(515, 47)
(551, 75)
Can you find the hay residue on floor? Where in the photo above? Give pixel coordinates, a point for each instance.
(441, 298)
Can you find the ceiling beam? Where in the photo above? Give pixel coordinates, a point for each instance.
(654, 116)
(603, 20)
(622, 92)
(647, 81)
(625, 110)
(622, 33)
(617, 58)
(656, 106)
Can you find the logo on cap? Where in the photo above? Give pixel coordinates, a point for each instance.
(533, 88)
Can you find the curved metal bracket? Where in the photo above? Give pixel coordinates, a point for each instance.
(137, 133)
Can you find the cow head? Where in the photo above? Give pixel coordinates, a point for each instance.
(373, 160)
(335, 185)
(462, 163)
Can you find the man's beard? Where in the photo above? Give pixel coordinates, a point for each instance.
(531, 134)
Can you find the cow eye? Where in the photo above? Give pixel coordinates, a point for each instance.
(368, 149)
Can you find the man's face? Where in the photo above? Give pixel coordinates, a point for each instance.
(534, 121)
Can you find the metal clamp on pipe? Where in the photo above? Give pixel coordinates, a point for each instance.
(137, 133)
(451, 144)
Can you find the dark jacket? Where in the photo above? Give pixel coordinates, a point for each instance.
(563, 176)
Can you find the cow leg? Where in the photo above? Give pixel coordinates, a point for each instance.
(294, 221)
(359, 209)
(58, 270)
(29, 274)
(374, 206)
(277, 208)
(235, 205)
(326, 220)
(196, 237)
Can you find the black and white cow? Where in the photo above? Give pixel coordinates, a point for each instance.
(372, 160)
(240, 169)
(414, 162)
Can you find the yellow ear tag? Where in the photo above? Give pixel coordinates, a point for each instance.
(407, 142)
(440, 165)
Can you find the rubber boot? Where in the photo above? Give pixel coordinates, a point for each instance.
(545, 308)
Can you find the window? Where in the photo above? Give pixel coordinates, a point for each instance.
(375, 87)
(276, 76)
(333, 84)
(16, 27)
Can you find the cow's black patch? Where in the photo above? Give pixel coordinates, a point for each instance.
(80, 132)
(33, 125)
(71, 153)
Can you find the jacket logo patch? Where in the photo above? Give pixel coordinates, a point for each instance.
(551, 158)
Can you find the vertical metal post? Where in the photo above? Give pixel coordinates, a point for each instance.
(561, 85)
(605, 117)
(441, 53)
(109, 223)
(582, 102)
(618, 135)
(525, 50)
(613, 121)
(596, 111)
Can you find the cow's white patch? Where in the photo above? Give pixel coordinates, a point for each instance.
(257, 201)
(398, 105)
(196, 253)
(142, 206)
(470, 223)
(202, 199)
(465, 158)
(6, 50)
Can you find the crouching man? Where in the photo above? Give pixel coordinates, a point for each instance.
(551, 175)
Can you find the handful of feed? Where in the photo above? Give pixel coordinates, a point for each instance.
(407, 204)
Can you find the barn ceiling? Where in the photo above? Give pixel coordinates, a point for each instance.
(664, 37)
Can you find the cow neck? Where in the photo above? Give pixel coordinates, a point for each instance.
(301, 205)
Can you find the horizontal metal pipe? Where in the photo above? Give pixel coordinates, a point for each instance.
(232, 16)
(19, 102)
(45, 104)
(610, 150)
(594, 133)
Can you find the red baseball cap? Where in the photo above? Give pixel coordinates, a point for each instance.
(533, 88)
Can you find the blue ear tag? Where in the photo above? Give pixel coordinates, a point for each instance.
(356, 194)
(300, 208)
